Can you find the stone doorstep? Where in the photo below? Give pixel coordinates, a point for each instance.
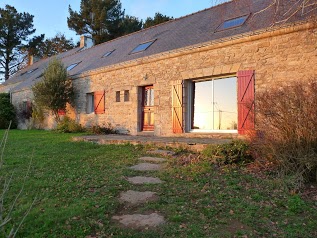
(139, 221)
(152, 159)
(144, 180)
(146, 167)
(134, 197)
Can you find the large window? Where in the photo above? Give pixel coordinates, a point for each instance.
(213, 105)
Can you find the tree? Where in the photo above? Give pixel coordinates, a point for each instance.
(14, 30)
(101, 19)
(7, 112)
(157, 19)
(131, 24)
(55, 90)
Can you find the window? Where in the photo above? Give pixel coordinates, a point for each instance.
(107, 54)
(231, 23)
(117, 96)
(90, 108)
(28, 72)
(142, 47)
(126, 95)
(213, 105)
(70, 67)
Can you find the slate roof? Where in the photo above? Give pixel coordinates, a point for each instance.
(186, 31)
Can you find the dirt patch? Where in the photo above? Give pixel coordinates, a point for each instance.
(134, 197)
(152, 159)
(139, 221)
(146, 167)
(144, 180)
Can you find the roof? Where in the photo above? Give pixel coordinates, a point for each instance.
(196, 28)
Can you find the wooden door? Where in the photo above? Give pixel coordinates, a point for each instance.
(148, 108)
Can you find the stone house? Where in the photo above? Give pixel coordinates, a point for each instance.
(193, 76)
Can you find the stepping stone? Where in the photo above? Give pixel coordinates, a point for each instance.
(161, 152)
(134, 197)
(152, 159)
(139, 221)
(146, 167)
(144, 180)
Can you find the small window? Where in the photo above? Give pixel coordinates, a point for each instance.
(117, 96)
(70, 67)
(126, 95)
(142, 47)
(235, 22)
(90, 103)
(30, 71)
(107, 53)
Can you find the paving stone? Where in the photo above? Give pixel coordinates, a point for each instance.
(134, 197)
(144, 180)
(146, 167)
(162, 152)
(139, 221)
(152, 159)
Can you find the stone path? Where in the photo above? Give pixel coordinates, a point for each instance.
(137, 198)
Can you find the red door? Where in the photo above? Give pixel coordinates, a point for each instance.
(148, 108)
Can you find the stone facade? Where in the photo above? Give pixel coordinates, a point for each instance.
(277, 56)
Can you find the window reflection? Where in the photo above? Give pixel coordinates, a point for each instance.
(215, 104)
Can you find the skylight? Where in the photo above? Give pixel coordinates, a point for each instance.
(70, 67)
(107, 53)
(28, 72)
(235, 22)
(142, 47)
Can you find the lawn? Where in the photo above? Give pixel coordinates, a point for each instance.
(77, 184)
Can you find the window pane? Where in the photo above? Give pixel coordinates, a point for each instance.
(142, 47)
(203, 105)
(232, 23)
(225, 104)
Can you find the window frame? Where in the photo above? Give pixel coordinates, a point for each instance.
(108, 53)
(90, 103)
(126, 96)
(221, 25)
(73, 66)
(118, 96)
(134, 51)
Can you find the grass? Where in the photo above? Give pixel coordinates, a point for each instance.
(77, 185)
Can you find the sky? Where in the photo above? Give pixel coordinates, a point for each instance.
(50, 16)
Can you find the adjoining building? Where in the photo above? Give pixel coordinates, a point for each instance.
(193, 76)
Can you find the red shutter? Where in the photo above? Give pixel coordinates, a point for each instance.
(61, 112)
(246, 82)
(99, 102)
(177, 105)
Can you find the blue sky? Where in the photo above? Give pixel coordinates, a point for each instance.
(50, 16)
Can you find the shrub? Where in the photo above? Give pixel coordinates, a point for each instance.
(7, 112)
(286, 123)
(67, 125)
(235, 152)
(104, 129)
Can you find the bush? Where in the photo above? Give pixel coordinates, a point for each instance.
(7, 112)
(67, 125)
(286, 123)
(235, 152)
(104, 129)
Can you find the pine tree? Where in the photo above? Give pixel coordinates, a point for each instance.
(157, 19)
(14, 30)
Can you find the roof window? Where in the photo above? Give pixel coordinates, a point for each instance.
(142, 47)
(231, 23)
(70, 67)
(28, 72)
(107, 53)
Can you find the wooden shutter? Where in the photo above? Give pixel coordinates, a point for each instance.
(246, 80)
(99, 102)
(61, 112)
(177, 105)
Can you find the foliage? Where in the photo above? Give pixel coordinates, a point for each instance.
(7, 112)
(235, 152)
(14, 29)
(286, 122)
(78, 186)
(67, 125)
(131, 24)
(55, 90)
(52, 46)
(104, 129)
(157, 19)
(99, 18)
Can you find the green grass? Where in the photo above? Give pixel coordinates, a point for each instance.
(77, 185)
